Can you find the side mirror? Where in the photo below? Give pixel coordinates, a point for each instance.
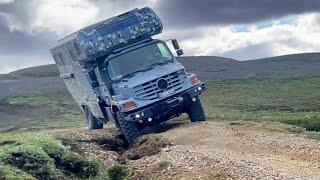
(179, 52)
(175, 44)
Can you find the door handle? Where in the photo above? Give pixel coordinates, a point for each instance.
(67, 76)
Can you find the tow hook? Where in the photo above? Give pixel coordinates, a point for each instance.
(179, 99)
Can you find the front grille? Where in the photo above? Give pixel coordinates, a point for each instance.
(150, 90)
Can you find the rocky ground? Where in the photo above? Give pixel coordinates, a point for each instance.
(206, 150)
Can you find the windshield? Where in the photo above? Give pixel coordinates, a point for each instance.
(139, 60)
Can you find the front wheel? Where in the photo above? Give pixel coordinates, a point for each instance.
(195, 111)
(92, 122)
(130, 129)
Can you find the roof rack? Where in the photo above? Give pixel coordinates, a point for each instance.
(103, 37)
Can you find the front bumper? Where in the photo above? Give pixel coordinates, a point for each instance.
(167, 108)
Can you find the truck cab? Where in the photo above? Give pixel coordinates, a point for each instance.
(116, 71)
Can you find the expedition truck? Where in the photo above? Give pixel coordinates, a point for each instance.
(116, 71)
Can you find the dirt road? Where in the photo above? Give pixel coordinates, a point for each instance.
(211, 151)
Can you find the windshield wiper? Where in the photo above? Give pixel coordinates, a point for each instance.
(135, 72)
(158, 63)
(144, 70)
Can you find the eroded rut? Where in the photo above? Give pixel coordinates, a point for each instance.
(207, 151)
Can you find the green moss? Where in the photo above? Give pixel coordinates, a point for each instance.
(43, 157)
(10, 172)
(145, 174)
(30, 159)
(72, 162)
(118, 172)
(69, 161)
(162, 163)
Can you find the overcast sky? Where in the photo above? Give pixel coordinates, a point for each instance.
(240, 29)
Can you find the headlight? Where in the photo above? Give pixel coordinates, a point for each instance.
(194, 80)
(129, 105)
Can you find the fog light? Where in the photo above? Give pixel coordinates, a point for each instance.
(140, 121)
(199, 88)
(194, 99)
(149, 119)
(142, 114)
(138, 116)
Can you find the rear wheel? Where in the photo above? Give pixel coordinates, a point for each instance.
(92, 122)
(195, 111)
(130, 129)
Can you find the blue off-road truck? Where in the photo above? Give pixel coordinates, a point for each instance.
(116, 71)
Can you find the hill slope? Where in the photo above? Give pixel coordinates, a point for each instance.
(45, 80)
(214, 67)
(37, 71)
(244, 151)
(294, 65)
(287, 66)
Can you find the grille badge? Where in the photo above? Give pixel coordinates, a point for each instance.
(162, 84)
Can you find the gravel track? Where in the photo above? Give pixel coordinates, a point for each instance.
(213, 150)
(243, 152)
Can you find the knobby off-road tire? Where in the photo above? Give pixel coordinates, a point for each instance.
(195, 111)
(92, 122)
(128, 128)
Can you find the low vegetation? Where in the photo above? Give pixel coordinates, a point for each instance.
(118, 172)
(7, 77)
(32, 155)
(55, 110)
(162, 163)
(29, 154)
(54, 99)
(294, 101)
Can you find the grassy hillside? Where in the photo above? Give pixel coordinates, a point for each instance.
(36, 72)
(303, 57)
(207, 63)
(294, 101)
(55, 110)
(215, 67)
(33, 110)
(288, 66)
(39, 156)
(32, 72)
